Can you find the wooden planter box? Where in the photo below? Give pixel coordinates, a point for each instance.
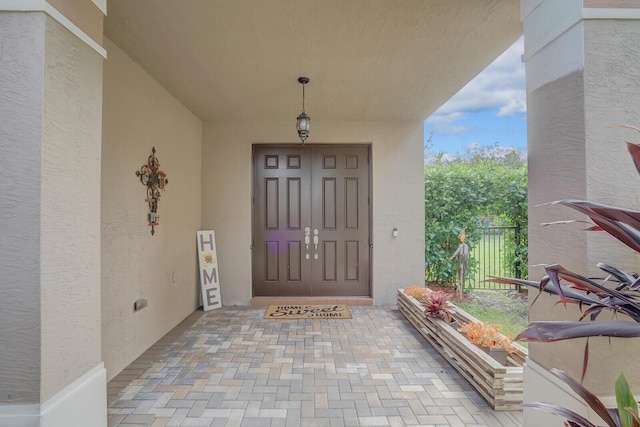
(501, 385)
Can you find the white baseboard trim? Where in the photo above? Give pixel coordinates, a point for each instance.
(80, 404)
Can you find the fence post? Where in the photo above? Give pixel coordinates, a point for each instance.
(516, 238)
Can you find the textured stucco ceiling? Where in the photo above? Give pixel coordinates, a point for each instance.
(367, 59)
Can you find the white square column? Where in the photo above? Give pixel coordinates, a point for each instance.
(51, 371)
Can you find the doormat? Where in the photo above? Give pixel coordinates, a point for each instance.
(327, 311)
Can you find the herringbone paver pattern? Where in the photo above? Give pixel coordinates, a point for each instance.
(234, 368)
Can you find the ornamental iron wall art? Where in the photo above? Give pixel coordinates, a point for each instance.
(154, 179)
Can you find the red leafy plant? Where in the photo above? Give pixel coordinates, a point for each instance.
(436, 304)
(625, 415)
(617, 292)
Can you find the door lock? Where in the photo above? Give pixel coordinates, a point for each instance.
(315, 243)
(307, 240)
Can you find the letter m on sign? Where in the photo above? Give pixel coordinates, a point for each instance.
(209, 271)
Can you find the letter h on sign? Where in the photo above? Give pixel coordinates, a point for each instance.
(208, 263)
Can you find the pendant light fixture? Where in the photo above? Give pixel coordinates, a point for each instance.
(303, 123)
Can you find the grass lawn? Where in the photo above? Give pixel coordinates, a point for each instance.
(491, 256)
(491, 302)
(498, 307)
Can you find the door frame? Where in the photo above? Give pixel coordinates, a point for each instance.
(369, 147)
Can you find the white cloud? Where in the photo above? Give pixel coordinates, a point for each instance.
(500, 85)
(446, 118)
(514, 106)
(446, 123)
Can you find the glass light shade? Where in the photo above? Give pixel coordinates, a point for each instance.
(303, 125)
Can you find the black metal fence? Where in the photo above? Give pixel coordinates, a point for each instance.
(495, 256)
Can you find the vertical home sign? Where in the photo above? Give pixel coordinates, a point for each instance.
(209, 274)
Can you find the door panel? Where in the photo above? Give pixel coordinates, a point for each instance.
(294, 203)
(342, 173)
(329, 203)
(295, 262)
(319, 193)
(281, 207)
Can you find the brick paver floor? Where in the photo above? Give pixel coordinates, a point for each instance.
(231, 367)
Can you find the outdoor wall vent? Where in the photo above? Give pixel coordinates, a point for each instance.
(139, 304)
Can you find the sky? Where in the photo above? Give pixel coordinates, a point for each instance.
(491, 108)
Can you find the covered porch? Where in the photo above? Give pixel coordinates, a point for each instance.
(89, 88)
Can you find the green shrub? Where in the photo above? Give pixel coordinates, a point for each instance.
(457, 196)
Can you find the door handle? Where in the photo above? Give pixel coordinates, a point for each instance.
(315, 243)
(307, 240)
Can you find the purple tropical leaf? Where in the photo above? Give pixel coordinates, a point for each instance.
(593, 311)
(634, 150)
(626, 305)
(618, 292)
(627, 127)
(551, 331)
(622, 224)
(554, 276)
(624, 277)
(570, 221)
(575, 297)
(635, 285)
(627, 232)
(612, 213)
(591, 399)
(571, 295)
(577, 281)
(585, 284)
(575, 418)
(585, 360)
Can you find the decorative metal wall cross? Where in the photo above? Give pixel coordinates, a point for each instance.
(155, 180)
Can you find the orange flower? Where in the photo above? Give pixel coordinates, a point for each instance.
(484, 334)
(417, 291)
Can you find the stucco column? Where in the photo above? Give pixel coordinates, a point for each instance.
(582, 59)
(51, 373)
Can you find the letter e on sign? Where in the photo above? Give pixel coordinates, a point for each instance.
(209, 272)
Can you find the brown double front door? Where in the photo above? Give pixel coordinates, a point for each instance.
(311, 227)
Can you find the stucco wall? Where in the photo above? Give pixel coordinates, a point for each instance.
(70, 245)
(612, 85)
(51, 103)
(397, 188)
(140, 114)
(21, 76)
(556, 171)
